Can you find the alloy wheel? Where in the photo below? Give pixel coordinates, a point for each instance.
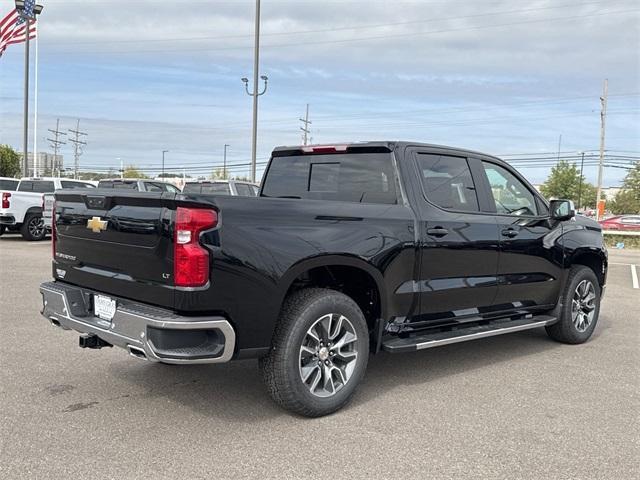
(36, 227)
(328, 355)
(583, 305)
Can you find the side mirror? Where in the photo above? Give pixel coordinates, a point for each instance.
(562, 209)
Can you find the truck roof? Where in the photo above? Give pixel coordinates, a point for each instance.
(384, 144)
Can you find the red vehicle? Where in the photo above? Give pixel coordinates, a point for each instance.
(622, 222)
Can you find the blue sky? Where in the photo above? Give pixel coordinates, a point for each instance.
(496, 76)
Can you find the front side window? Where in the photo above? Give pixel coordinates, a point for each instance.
(447, 182)
(349, 177)
(510, 195)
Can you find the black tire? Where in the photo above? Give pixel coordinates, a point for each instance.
(33, 229)
(566, 330)
(282, 367)
(2, 228)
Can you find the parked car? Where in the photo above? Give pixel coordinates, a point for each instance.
(138, 185)
(622, 222)
(348, 250)
(21, 210)
(222, 187)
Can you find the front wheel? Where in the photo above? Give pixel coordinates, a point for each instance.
(580, 309)
(33, 228)
(319, 352)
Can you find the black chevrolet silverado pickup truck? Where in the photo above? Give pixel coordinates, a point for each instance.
(347, 250)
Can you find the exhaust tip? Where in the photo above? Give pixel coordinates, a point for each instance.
(55, 322)
(137, 352)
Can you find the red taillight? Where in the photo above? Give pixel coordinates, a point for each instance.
(191, 260)
(324, 149)
(54, 233)
(5, 199)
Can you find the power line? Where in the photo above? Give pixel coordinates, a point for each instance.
(329, 30)
(360, 39)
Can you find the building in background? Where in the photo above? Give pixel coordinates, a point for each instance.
(49, 165)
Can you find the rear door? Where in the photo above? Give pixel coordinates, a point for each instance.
(117, 242)
(458, 242)
(530, 265)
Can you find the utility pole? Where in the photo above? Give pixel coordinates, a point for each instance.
(55, 143)
(224, 162)
(163, 152)
(603, 116)
(121, 167)
(580, 184)
(559, 146)
(77, 147)
(305, 130)
(255, 94)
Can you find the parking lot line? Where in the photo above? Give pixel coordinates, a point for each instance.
(634, 276)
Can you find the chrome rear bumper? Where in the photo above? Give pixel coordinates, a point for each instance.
(146, 332)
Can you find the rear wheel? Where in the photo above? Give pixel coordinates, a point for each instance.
(580, 309)
(33, 228)
(2, 228)
(319, 352)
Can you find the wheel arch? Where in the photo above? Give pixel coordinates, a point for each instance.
(594, 259)
(331, 271)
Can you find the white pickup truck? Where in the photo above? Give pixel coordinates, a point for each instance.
(21, 209)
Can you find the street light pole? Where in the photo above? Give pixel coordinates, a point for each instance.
(25, 133)
(28, 14)
(580, 184)
(255, 94)
(224, 164)
(163, 152)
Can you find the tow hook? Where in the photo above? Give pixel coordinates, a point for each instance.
(92, 341)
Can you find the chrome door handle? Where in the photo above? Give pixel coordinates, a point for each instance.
(437, 232)
(509, 232)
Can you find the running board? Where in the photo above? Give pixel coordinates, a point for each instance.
(438, 339)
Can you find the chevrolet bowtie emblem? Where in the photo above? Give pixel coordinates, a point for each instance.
(96, 225)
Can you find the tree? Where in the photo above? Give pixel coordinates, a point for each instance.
(564, 182)
(132, 171)
(219, 174)
(628, 199)
(9, 162)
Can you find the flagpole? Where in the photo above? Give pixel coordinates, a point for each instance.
(35, 112)
(25, 143)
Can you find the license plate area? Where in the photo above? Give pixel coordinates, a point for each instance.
(104, 307)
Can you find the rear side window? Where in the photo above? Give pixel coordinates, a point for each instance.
(8, 185)
(350, 177)
(244, 190)
(447, 182)
(67, 184)
(153, 187)
(39, 186)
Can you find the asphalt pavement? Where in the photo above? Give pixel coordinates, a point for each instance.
(518, 406)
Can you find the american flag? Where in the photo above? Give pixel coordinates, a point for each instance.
(13, 26)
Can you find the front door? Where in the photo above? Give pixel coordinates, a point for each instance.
(530, 264)
(458, 243)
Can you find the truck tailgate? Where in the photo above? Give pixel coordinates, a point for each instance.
(115, 242)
